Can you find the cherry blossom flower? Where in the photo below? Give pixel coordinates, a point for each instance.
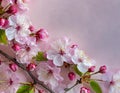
(9, 81)
(115, 83)
(59, 52)
(19, 26)
(49, 74)
(26, 54)
(82, 61)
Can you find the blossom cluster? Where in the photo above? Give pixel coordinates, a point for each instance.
(60, 64)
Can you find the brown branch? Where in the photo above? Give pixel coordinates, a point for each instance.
(36, 81)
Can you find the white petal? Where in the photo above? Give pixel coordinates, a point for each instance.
(53, 82)
(66, 58)
(12, 20)
(58, 60)
(10, 33)
(116, 77)
(51, 54)
(75, 59)
(82, 67)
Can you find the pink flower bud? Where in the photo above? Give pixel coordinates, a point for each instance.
(2, 21)
(6, 23)
(71, 75)
(103, 69)
(31, 66)
(31, 28)
(42, 34)
(13, 67)
(16, 47)
(12, 9)
(84, 90)
(91, 69)
(41, 91)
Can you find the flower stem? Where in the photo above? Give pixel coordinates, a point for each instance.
(77, 82)
(36, 81)
(94, 73)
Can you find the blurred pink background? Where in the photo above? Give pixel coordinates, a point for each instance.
(94, 24)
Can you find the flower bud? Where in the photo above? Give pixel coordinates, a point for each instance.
(31, 66)
(2, 21)
(12, 9)
(13, 67)
(6, 23)
(71, 75)
(16, 47)
(42, 34)
(84, 90)
(31, 28)
(91, 69)
(41, 91)
(103, 69)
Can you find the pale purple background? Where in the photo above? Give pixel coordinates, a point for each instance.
(94, 24)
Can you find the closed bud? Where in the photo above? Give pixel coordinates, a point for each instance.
(6, 23)
(102, 69)
(16, 47)
(31, 28)
(12, 9)
(41, 34)
(71, 75)
(41, 91)
(91, 69)
(31, 66)
(2, 21)
(84, 90)
(13, 67)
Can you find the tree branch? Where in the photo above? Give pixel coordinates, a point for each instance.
(36, 81)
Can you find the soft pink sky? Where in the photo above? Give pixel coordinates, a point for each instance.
(94, 24)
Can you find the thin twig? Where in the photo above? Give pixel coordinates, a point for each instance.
(68, 89)
(36, 81)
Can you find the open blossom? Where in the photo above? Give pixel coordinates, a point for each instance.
(9, 81)
(26, 54)
(19, 26)
(59, 52)
(49, 74)
(115, 83)
(82, 61)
